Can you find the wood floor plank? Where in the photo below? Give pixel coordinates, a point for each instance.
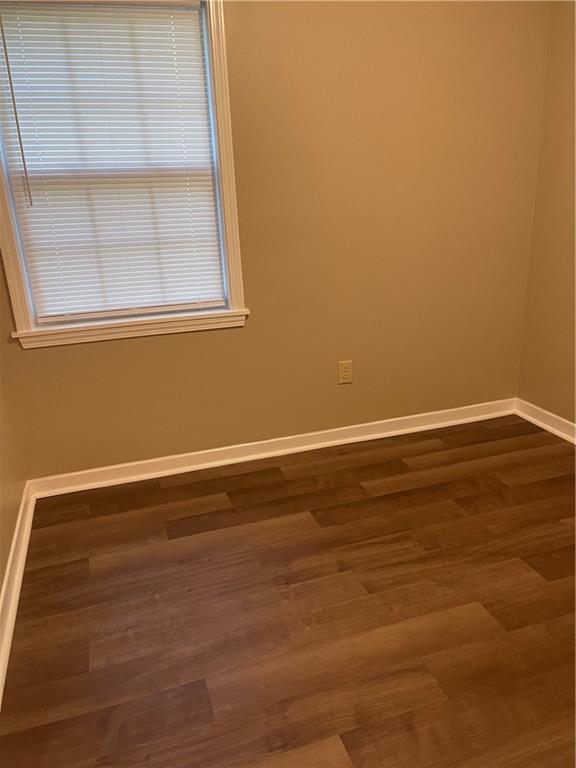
(394, 521)
(436, 740)
(381, 608)
(533, 604)
(308, 596)
(404, 602)
(222, 484)
(70, 741)
(328, 753)
(76, 540)
(445, 582)
(309, 484)
(50, 515)
(49, 661)
(289, 488)
(215, 635)
(515, 518)
(351, 658)
(45, 587)
(437, 474)
(561, 629)
(553, 564)
(188, 526)
(76, 695)
(504, 496)
(411, 497)
(266, 532)
(498, 666)
(114, 500)
(480, 450)
(551, 746)
(440, 735)
(483, 432)
(530, 473)
(370, 455)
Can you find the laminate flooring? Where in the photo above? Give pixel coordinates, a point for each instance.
(399, 603)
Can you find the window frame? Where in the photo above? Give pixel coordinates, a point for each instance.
(31, 333)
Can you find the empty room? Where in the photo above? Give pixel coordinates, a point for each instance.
(287, 384)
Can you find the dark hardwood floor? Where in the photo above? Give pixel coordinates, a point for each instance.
(400, 603)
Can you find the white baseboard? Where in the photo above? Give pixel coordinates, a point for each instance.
(12, 581)
(188, 462)
(548, 421)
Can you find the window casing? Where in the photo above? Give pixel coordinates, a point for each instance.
(116, 124)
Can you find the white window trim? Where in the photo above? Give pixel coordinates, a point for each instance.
(31, 334)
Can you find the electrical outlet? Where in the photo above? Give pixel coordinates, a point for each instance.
(344, 371)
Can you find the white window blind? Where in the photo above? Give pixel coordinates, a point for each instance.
(113, 106)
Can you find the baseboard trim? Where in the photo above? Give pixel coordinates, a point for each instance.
(547, 420)
(12, 582)
(187, 462)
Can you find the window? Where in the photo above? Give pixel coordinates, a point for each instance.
(118, 203)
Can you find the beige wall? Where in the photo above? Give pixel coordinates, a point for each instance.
(547, 370)
(11, 482)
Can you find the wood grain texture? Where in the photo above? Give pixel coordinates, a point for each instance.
(400, 603)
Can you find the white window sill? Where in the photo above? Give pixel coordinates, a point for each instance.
(78, 333)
